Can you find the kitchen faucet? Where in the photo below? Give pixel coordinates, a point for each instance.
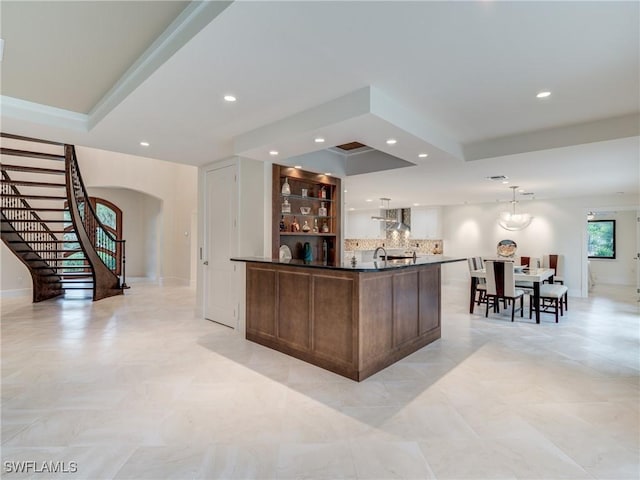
(375, 253)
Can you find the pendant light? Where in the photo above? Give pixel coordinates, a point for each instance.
(391, 223)
(383, 206)
(513, 221)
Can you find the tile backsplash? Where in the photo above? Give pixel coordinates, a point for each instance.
(433, 247)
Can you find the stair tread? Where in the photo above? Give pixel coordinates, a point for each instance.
(53, 267)
(39, 231)
(35, 197)
(27, 153)
(29, 139)
(69, 274)
(44, 241)
(25, 168)
(67, 250)
(25, 183)
(42, 220)
(36, 209)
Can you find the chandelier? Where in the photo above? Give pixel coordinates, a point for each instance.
(513, 221)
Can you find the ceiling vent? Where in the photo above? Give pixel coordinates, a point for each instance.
(347, 147)
(497, 178)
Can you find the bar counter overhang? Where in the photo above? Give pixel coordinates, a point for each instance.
(353, 320)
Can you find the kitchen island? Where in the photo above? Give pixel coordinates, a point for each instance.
(353, 320)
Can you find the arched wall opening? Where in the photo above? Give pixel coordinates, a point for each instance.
(141, 228)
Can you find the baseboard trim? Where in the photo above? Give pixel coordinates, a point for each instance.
(17, 292)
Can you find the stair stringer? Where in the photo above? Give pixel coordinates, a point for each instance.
(105, 282)
(46, 284)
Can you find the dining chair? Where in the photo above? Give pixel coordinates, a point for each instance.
(557, 263)
(476, 263)
(552, 299)
(502, 286)
(531, 262)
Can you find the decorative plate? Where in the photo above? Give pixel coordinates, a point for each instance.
(507, 248)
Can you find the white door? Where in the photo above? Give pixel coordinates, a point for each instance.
(220, 297)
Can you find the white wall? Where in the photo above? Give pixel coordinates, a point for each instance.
(621, 270)
(558, 226)
(173, 185)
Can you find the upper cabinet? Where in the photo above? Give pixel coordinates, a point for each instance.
(426, 223)
(306, 215)
(360, 225)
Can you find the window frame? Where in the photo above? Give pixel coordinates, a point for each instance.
(613, 240)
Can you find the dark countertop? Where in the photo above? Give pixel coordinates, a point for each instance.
(379, 265)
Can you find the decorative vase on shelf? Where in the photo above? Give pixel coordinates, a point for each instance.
(283, 226)
(306, 227)
(322, 211)
(308, 253)
(295, 226)
(286, 206)
(286, 189)
(325, 228)
(315, 226)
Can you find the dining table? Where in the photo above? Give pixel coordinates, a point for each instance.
(534, 275)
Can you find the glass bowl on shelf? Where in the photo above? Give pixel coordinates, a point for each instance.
(305, 210)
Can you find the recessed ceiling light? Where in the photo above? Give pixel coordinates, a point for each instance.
(318, 140)
(297, 166)
(504, 182)
(543, 94)
(273, 152)
(423, 155)
(345, 191)
(392, 141)
(328, 174)
(416, 204)
(368, 200)
(229, 98)
(352, 209)
(144, 144)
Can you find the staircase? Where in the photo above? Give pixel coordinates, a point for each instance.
(49, 223)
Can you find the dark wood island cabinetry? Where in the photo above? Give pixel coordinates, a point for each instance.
(352, 320)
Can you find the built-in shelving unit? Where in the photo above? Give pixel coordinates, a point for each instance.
(322, 192)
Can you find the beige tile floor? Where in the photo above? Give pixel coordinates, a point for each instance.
(136, 387)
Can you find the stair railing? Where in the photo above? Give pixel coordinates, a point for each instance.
(36, 231)
(90, 230)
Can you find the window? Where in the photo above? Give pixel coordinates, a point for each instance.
(602, 239)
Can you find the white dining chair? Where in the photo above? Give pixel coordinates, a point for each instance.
(501, 285)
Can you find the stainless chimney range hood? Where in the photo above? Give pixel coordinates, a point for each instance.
(394, 218)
